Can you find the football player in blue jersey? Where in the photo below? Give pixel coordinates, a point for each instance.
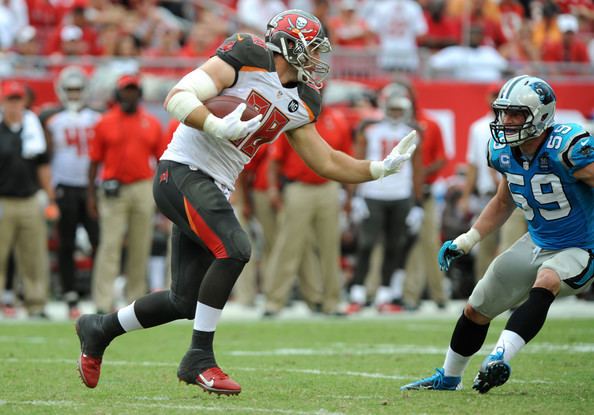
(548, 172)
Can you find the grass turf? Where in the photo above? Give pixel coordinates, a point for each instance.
(317, 366)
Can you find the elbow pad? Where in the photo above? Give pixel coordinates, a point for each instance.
(191, 90)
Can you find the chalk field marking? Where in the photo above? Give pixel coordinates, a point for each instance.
(165, 406)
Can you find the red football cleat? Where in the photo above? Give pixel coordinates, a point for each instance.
(89, 369)
(353, 308)
(216, 381)
(92, 345)
(212, 380)
(388, 308)
(9, 311)
(73, 313)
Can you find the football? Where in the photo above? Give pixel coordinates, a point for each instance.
(224, 104)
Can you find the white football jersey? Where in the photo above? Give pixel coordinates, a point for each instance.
(381, 138)
(397, 23)
(257, 82)
(71, 132)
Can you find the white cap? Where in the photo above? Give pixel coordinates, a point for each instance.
(567, 23)
(348, 4)
(26, 34)
(70, 33)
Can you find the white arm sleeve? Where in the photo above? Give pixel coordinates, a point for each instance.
(191, 90)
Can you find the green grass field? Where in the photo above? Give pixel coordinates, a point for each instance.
(317, 366)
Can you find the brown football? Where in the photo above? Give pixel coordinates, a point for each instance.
(224, 104)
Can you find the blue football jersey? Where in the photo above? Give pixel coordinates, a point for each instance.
(559, 208)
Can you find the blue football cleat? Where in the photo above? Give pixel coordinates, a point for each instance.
(438, 382)
(494, 372)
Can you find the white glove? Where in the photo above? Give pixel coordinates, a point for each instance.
(397, 157)
(414, 219)
(230, 127)
(450, 250)
(467, 240)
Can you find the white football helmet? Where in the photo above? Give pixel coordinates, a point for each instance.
(395, 101)
(72, 87)
(530, 95)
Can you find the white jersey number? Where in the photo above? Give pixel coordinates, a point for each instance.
(546, 189)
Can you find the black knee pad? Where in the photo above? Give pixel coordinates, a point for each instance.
(241, 246)
(186, 307)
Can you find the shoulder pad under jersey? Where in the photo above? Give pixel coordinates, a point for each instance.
(312, 98)
(578, 148)
(48, 112)
(244, 49)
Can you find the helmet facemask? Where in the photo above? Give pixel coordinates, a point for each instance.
(72, 88)
(396, 103)
(399, 110)
(513, 134)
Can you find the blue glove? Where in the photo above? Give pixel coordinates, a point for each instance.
(448, 252)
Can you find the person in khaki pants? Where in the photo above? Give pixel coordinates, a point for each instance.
(256, 202)
(126, 139)
(23, 167)
(310, 213)
(419, 271)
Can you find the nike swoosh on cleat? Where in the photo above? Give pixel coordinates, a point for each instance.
(207, 383)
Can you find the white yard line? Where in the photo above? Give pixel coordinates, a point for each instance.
(172, 406)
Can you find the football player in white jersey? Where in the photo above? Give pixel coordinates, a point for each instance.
(280, 76)
(68, 129)
(389, 201)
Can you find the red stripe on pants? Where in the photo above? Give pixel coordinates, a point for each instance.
(200, 228)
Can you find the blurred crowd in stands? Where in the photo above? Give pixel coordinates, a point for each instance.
(468, 39)
(337, 247)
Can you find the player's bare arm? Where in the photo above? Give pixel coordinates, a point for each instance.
(338, 166)
(324, 160)
(497, 211)
(586, 174)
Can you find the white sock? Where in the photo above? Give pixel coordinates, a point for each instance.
(511, 342)
(127, 318)
(383, 295)
(206, 318)
(396, 283)
(358, 294)
(455, 364)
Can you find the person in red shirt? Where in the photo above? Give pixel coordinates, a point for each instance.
(569, 49)
(201, 42)
(348, 29)
(76, 18)
(442, 29)
(310, 214)
(127, 140)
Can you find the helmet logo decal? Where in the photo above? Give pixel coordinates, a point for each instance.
(544, 92)
(299, 26)
(298, 48)
(301, 22)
